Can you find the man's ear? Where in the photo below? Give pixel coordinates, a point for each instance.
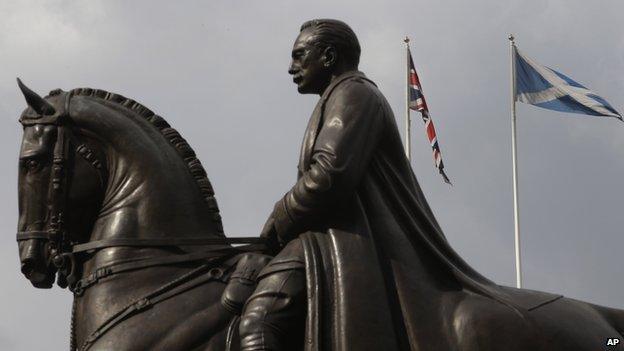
(330, 56)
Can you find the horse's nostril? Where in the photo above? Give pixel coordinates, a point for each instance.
(27, 267)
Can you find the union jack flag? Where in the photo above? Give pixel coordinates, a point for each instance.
(417, 103)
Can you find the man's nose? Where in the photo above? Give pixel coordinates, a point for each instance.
(291, 69)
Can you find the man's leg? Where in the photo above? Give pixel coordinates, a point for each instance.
(273, 318)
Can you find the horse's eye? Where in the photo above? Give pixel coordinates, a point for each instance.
(32, 165)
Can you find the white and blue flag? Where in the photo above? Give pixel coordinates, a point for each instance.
(541, 86)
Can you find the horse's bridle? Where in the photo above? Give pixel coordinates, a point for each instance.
(59, 244)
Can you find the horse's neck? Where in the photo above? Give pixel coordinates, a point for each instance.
(145, 199)
(149, 196)
(150, 192)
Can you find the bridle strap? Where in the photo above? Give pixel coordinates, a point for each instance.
(58, 187)
(146, 242)
(164, 242)
(57, 191)
(33, 234)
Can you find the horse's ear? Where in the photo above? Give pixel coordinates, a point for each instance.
(35, 101)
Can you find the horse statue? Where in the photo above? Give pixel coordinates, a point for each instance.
(114, 202)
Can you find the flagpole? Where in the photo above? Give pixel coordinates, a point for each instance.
(512, 50)
(408, 147)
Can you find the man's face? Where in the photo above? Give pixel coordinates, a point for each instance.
(308, 65)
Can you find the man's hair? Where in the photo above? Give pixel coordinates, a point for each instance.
(330, 32)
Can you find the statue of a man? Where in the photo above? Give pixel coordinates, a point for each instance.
(354, 223)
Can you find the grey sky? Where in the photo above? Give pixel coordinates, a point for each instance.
(217, 71)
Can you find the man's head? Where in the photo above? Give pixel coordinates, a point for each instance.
(324, 49)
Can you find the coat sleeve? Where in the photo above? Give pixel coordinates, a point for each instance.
(351, 127)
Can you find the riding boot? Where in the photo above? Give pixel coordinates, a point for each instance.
(274, 316)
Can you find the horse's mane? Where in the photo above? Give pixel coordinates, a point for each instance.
(172, 136)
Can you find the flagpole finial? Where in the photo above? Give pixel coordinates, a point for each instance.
(511, 38)
(406, 40)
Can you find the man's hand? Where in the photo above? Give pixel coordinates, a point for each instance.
(283, 224)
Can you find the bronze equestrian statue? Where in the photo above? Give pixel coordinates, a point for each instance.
(115, 203)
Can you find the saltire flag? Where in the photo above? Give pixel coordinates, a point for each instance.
(544, 87)
(417, 103)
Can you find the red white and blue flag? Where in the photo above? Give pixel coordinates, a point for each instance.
(417, 103)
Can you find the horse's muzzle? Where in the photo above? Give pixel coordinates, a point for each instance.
(35, 265)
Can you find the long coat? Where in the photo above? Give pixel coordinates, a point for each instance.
(377, 262)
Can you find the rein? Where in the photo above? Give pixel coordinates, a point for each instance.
(252, 244)
(160, 242)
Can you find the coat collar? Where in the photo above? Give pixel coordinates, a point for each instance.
(341, 78)
(317, 116)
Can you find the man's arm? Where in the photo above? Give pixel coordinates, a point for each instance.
(351, 128)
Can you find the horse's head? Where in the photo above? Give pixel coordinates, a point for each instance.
(57, 168)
